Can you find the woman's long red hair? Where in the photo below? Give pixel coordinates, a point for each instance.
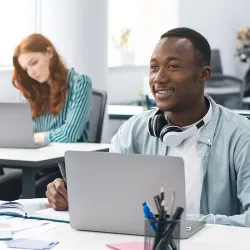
(42, 97)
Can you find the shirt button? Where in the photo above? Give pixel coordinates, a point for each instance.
(209, 140)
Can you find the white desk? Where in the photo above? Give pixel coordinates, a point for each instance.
(246, 100)
(212, 237)
(227, 90)
(124, 112)
(32, 160)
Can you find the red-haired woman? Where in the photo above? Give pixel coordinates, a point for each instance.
(60, 98)
(60, 101)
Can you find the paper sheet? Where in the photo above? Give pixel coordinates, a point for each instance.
(51, 214)
(127, 246)
(33, 205)
(14, 224)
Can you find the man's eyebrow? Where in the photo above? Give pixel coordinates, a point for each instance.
(172, 58)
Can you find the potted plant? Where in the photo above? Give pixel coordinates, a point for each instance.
(127, 55)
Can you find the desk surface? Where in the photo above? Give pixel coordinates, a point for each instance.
(222, 90)
(124, 112)
(212, 237)
(39, 156)
(246, 100)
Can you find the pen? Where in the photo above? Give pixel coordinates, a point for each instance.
(149, 215)
(63, 172)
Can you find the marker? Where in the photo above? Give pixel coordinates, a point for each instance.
(149, 215)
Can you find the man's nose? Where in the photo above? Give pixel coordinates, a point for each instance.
(161, 77)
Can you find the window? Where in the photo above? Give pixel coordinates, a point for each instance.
(142, 22)
(17, 20)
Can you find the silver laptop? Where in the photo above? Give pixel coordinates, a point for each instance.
(16, 129)
(106, 190)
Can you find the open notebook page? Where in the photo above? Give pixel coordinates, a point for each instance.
(23, 207)
(33, 205)
(51, 214)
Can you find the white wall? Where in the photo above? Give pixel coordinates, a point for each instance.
(76, 28)
(218, 21)
(8, 92)
(123, 83)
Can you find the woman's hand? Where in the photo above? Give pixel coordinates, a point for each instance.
(39, 137)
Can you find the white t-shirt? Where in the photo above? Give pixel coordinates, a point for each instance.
(193, 170)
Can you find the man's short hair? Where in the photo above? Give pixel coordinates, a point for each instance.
(199, 42)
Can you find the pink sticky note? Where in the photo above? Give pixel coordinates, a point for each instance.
(127, 246)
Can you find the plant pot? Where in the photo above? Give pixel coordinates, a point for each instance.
(127, 57)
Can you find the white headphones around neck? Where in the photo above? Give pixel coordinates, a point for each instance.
(173, 135)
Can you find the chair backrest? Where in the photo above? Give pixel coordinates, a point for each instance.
(216, 61)
(99, 100)
(227, 91)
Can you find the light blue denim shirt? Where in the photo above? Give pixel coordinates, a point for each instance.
(224, 148)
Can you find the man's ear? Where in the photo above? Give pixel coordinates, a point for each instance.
(205, 73)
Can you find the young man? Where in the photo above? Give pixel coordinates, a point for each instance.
(213, 141)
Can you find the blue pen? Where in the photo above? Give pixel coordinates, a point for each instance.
(149, 215)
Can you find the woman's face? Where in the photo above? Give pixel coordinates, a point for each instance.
(36, 64)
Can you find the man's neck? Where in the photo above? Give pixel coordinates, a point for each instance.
(191, 115)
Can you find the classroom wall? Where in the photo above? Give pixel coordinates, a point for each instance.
(217, 20)
(8, 93)
(123, 83)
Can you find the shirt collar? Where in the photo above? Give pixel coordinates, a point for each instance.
(207, 133)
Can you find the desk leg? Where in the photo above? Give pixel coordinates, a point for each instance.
(28, 184)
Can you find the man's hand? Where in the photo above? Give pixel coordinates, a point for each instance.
(39, 137)
(57, 195)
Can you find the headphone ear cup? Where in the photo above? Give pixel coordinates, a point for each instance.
(168, 129)
(159, 123)
(150, 126)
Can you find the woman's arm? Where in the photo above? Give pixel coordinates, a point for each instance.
(78, 114)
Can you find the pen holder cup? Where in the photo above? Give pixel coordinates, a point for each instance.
(172, 242)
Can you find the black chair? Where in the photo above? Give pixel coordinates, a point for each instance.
(227, 91)
(99, 101)
(216, 62)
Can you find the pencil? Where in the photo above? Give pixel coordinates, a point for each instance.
(162, 193)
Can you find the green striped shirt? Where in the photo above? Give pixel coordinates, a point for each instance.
(70, 125)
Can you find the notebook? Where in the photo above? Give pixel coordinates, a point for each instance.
(23, 207)
(33, 209)
(52, 215)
